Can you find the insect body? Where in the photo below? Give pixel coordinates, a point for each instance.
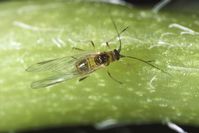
(72, 66)
(93, 62)
(79, 65)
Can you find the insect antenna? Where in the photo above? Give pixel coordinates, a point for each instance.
(118, 34)
(131, 57)
(146, 62)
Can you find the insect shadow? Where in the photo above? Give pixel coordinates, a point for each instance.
(81, 65)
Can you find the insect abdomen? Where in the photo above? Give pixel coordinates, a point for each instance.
(83, 66)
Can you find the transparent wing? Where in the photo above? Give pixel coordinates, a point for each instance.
(60, 65)
(52, 80)
(64, 68)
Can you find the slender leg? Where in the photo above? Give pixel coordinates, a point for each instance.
(79, 49)
(109, 74)
(107, 44)
(92, 43)
(83, 78)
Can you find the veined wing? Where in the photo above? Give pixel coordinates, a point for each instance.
(59, 65)
(52, 80)
(64, 68)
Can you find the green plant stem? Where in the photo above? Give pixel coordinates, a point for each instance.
(39, 30)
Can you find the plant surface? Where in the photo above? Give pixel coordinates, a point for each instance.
(34, 31)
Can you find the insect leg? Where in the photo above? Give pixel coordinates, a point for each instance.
(79, 49)
(109, 74)
(107, 44)
(92, 43)
(83, 78)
